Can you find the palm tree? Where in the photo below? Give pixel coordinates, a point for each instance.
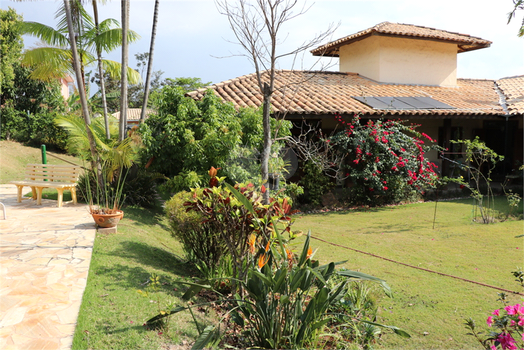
(56, 59)
(78, 73)
(150, 63)
(100, 68)
(125, 58)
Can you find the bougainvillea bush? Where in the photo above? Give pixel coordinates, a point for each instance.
(383, 160)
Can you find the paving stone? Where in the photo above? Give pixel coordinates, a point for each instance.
(45, 253)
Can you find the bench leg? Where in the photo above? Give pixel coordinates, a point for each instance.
(73, 194)
(19, 193)
(33, 193)
(38, 195)
(60, 196)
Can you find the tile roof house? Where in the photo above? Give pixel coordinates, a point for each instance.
(133, 115)
(398, 71)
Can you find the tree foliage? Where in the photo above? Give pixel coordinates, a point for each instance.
(192, 136)
(11, 45)
(28, 107)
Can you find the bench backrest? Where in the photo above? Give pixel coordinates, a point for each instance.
(52, 172)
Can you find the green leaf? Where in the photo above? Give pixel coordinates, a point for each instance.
(393, 328)
(209, 335)
(303, 255)
(320, 324)
(245, 202)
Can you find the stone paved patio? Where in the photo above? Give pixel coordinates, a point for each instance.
(45, 253)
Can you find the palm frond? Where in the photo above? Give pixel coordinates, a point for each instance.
(45, 33)
(81, 18)
(114, 68)
(49, 63)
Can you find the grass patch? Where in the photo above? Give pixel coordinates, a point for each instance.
(430, 307)
(14, 156)
(112, 311)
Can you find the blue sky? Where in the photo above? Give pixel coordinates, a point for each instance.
(194, 40)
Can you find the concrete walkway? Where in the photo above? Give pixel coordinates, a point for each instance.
(45, 253)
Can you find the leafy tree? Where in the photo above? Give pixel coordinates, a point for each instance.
(11, 45)
(191, 136)
(187, 84)
(28, 107)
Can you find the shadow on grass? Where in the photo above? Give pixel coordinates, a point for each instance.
(149, 217)
(154, 257)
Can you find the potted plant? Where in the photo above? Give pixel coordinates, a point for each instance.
(103, 183)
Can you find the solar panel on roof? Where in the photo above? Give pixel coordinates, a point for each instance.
(373, 102)
(391, 102)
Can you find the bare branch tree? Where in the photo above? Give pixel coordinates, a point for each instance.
(257, 26)
(311, 145)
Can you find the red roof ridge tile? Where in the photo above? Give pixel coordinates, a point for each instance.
(402, 29)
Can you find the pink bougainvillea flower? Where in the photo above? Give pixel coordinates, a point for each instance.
(489, 321)
(519, 309)
(521, 321)
(496, 312)
(506, 341)
(510, 309)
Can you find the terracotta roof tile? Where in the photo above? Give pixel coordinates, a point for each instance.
(133, 114)
(465, 42)
(513, 91)
(320, 93)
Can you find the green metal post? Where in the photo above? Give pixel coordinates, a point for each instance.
(44, 155)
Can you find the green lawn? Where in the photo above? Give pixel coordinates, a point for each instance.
(432, 308)
(112, 311)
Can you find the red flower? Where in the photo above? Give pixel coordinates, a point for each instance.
(462, 186)
(385, 188)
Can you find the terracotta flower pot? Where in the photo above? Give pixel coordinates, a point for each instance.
(108, 220)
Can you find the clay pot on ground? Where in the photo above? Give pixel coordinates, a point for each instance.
(107, 220)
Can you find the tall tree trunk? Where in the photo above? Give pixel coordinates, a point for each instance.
(123, 79)
(81, 86)
(150, 63)
(266, 150)
(101, 72)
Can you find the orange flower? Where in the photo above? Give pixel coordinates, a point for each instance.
(309, 252)
(267, 246)
(213, 172)
(289, 256)
(251, 244)
(262, 260)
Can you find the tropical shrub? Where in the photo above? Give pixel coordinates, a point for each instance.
(203, 247)
(315, 184)
(286, 302)
(236, 217)
(188, 136)
(29, 109)
(140, 187)
(384, 160)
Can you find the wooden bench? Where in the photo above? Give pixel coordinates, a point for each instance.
(40, 176)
